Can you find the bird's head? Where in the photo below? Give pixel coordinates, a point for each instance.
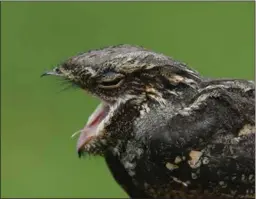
(128, 80)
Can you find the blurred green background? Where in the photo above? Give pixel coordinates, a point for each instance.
(38, 156)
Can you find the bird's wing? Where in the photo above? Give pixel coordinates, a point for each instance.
(210, 144)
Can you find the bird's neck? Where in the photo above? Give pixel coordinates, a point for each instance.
(123, 125)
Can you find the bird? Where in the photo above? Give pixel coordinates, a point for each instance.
(164, 130)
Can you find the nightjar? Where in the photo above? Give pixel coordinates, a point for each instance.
(163, 129)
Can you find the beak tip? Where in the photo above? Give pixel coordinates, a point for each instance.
(44, 74)
(80, 153)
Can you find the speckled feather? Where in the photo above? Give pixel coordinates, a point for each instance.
(224, 164)
(171, 133)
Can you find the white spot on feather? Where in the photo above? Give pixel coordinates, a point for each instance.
(179, 181)
(246, 130)
(171, 166)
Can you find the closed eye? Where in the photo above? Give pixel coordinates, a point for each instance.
(115, 83)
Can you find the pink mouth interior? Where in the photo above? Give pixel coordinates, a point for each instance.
(90, 129)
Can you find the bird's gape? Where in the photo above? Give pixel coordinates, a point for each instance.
(91, 129)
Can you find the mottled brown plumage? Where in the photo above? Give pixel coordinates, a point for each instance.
(164, 130)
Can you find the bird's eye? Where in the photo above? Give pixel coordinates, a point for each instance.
(111, 81)
(57, 70)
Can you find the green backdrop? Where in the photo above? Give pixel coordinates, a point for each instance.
(38, 156)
